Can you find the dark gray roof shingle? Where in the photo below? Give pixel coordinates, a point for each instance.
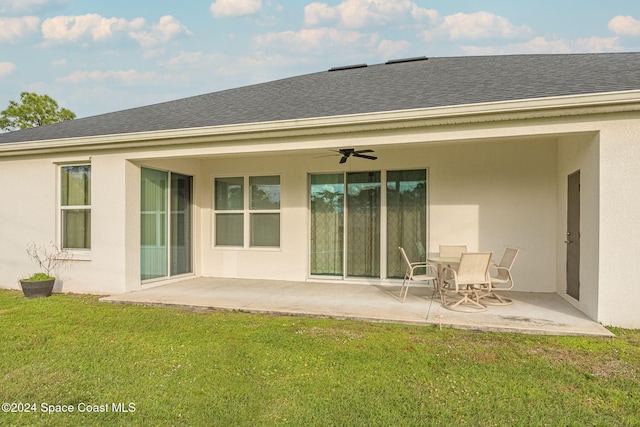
(435, 82)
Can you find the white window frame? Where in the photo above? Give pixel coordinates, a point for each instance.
(77, 253)
(246, 213)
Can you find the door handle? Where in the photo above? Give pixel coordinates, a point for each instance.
(568, 241)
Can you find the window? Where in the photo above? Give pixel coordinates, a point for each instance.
(75, 206)
(229, 206)
(247, 207)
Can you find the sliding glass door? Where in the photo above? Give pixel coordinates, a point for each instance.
(165, 224)
(406, 218)
(351, 218)
(180, 224)
(363, 224)
(327, 224)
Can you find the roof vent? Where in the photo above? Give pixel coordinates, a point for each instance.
(400, 61)
(348, 67)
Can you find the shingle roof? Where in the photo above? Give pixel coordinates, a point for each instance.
(435, 82)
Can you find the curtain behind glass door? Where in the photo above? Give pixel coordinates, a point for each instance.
(153, 224)
(363, 224)
(180, 224)
(406, 218)
(327, 224)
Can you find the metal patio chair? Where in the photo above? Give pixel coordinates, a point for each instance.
(502, 281)
(430, 274)
(467, 283)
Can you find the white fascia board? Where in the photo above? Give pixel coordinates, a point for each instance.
(612, 102)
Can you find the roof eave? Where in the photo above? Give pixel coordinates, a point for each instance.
(610, 102)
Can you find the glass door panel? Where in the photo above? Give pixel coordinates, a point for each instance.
(327, 224)
(165, 224)
(153, 224)
(180, 227)
(363, 224)
(406, 218)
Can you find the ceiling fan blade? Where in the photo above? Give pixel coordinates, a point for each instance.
(363, 151)
(364, 156)
(343, 159)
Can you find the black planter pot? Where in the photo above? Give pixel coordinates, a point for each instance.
(39, 289)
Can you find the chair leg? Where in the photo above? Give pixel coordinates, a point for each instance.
(404, 290)
(493, 298)
(472, 306)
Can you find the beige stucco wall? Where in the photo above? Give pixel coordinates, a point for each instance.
(30, 213)
(619, 210)
(27, 214)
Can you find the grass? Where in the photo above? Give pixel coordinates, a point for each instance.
(179, 367)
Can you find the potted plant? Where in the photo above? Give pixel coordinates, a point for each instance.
(48, 258)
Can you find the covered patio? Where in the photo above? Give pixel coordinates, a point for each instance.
(531, 312)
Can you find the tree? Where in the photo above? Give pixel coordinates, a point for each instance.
(33, 110)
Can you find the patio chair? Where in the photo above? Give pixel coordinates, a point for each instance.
(468, 282)
(502, 281)
(449, 251)
(430, 274)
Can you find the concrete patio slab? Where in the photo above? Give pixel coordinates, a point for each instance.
(532, 313)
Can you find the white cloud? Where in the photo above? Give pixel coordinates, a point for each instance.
(13, 29)
(185, 58)
(63, 29)
(59, 63)
(316, 40)
(126, 77)
(228, 8)
(361, 13)
(478, 25)
(10, 7)
(625, 26)
(540, 45)
(392, 49)
(7, 68)
(330, 41)
(166, 29)
(316, 13)
(598, 44)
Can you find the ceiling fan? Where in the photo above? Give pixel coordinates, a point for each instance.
(349, 152)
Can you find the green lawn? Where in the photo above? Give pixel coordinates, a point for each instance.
(170, 366)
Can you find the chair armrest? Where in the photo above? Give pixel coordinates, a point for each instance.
(433, 268)
(499, 269)
(430, 268)
(446, 269)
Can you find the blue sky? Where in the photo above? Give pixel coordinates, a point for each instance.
(97, 56)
